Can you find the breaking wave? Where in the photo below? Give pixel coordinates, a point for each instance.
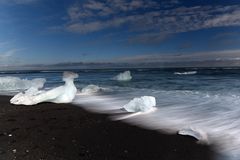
(213, 118)
(186, 73)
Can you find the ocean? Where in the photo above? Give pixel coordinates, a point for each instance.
(201, 101)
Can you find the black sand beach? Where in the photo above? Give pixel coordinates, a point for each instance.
(66, 132)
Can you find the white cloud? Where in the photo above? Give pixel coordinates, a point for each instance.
(94, 5)
(93, 26)
(7, 58)
(143, 15)
(75, 13)
(232, 18)
(23, 2)
(149, 38)
(87, 27)
(3, 44)
(224, 55)
(92, 8)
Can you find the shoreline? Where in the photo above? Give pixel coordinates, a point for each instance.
(66, 132)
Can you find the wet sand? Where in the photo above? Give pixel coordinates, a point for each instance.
(66, 132)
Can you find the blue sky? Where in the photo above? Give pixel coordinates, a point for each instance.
(54, 31)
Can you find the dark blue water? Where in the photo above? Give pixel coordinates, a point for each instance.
(157, 79)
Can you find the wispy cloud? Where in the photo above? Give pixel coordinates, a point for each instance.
(149, 38)
(4, 43)
(141, 15)
(93, 8)
(226, 35)
(224, 55)
(7, 58)
(20, 2)
(225, 39)
(97, 25)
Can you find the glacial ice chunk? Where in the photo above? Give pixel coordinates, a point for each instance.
(10, 83)
(91, 89)
(34, 90)
(200, 135)
(141, 104)
(61, 94)
(125, 76)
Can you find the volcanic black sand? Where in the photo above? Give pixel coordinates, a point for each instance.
(66, 132)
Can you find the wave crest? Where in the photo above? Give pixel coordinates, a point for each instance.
(186, 73)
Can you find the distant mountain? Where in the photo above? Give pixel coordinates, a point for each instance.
(102, 65)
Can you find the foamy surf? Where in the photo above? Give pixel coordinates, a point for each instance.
(186, 73)
(176, 111)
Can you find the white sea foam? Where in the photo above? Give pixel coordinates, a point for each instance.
(15, 83)
(61, 94)
(212, 118)
(186, 73)
(125, 76)
(140, 104)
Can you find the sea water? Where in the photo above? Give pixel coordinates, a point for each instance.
(204, 102)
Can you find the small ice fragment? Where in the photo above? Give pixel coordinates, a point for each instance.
(91, 89)
(200, 135)
(141, 104)
(10, 135)
(14, 150)
(125, 76)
